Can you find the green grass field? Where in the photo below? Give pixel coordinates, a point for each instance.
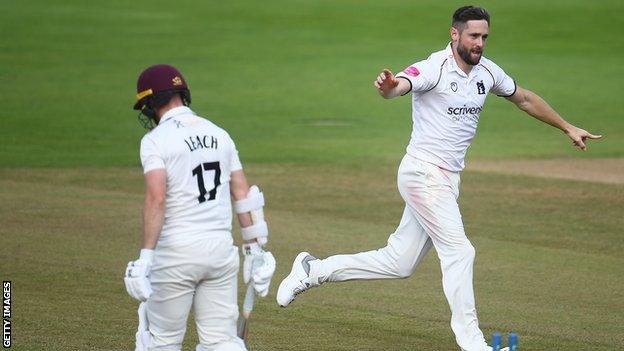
(292, 83)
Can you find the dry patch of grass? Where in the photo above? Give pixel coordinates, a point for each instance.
(601, 170)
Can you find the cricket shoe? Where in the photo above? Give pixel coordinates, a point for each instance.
(297, 281)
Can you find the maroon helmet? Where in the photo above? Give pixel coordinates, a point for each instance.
(158, 79)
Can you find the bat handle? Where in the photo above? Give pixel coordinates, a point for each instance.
(249, 301)
(250, 294)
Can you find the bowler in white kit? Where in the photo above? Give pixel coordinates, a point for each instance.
(448, 94)
(187, 259)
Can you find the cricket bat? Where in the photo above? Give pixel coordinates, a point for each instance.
(250, 294)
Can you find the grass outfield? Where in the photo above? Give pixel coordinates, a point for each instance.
(549, 262)
(291, 80)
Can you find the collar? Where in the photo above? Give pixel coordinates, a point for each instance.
(452, 64)
(176, 111)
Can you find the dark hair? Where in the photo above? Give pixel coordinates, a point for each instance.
(468, 13)
(162, 98)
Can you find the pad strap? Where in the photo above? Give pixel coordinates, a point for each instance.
(253, 202)
(257, 230)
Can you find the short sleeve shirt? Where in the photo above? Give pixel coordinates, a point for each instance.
(446, 105)
(198, 158)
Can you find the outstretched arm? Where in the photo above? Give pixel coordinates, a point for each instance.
(388, 86)
(535, 106)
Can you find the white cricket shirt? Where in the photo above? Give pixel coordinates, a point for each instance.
(198, 157)
(446, 104)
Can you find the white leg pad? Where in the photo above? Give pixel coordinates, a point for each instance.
(143, 336)
(233, 345)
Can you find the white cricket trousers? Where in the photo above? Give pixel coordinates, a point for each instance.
(201, 274)
(431, 215)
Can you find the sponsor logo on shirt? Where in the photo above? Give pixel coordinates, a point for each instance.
(412, 71)
(464, 113)
(464, 110)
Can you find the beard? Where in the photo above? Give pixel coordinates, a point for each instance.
(466, 54)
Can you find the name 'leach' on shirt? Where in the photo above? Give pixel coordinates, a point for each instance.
(198, 157)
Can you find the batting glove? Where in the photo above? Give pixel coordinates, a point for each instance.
(137, 276)
(258, 267)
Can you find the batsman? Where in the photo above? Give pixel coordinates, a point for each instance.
(448, 91)
(187, 260)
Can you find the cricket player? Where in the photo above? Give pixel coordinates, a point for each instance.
(192, 172)
(448, 94)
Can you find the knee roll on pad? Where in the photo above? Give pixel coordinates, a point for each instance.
(254, 204)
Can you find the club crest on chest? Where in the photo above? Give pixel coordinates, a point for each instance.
(480, 88)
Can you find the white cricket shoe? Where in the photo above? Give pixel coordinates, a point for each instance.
(297, 281)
